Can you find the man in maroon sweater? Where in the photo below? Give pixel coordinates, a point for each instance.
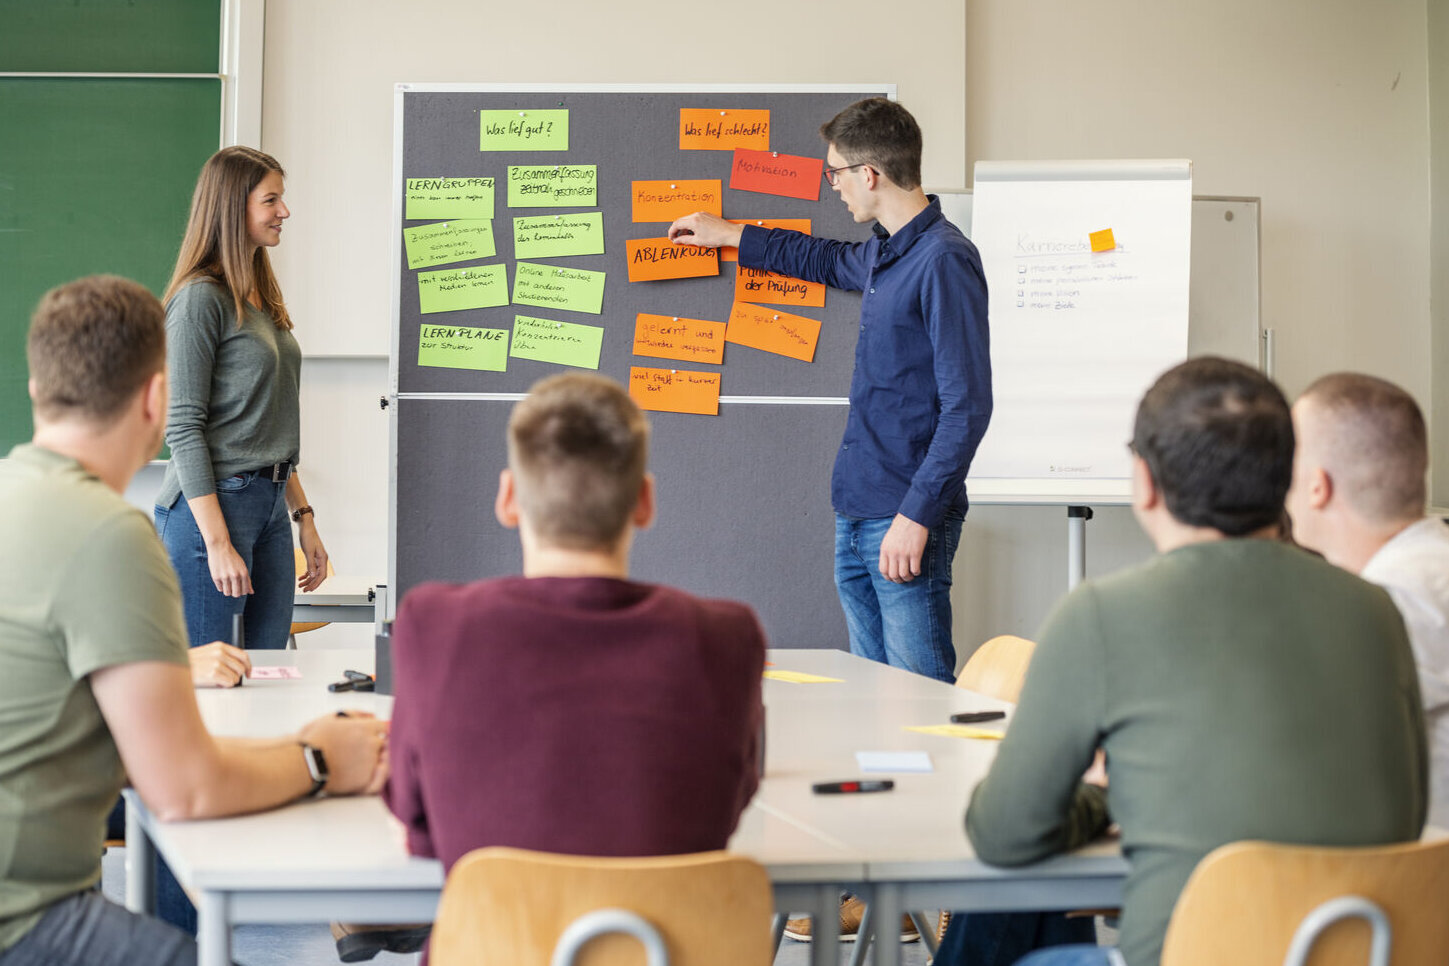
(572, 709)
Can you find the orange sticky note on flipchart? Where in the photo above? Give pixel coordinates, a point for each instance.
(773, 331)
(671, 337)
(723, 129)
(668, 200)
(1102, 241)
(651, 259)
(758, 285)
(773, 173)
(675, 390)
(732, 254)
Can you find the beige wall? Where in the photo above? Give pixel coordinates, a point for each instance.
(1439, 248)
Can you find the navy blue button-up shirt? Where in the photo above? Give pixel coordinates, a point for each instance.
(920, 397)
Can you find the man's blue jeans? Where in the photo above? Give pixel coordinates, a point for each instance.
(255, 510)
(1075, 956)
(904, 625)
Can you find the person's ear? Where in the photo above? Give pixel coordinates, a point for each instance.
(154, 399)
(872, 177)
(643, 516)
(30, 388)
(1145, 494)
(505, 506)
(1320, 488)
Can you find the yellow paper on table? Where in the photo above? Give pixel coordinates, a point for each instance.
(801, 677)
(958, 731)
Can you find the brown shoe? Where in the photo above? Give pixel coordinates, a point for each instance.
(852, 910)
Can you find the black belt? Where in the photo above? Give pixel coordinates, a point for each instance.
(277, 472)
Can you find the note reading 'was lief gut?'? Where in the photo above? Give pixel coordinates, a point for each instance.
(675, 391)
(772, 173)
(723, 129)
(564, 343)
(553, 186)
(670, 337)
(758, 285)
(556, 236)
(558, 288)
(653, 259)
(668, 200)
(732, 254)
(448, 198)
(771, 330)
(462, 347)
(523, 130)
(449, 241)
(452, 289)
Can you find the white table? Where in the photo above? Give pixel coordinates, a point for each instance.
(345, 858)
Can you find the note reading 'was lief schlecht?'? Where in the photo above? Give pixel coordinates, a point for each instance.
(668, 200)
(675, 390)
(523, 130)
(453, 289)
(448, 198)
(463, 347)
(732, 254)
(558, 288)
(563, 343)
(758, 285)
(449, 241)
(787, 175)
(771, 330)
(671, 337)
(557, 236)
(553, 186)
(654, 259)
(723, 129)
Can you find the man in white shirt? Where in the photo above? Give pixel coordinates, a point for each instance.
(1358, 498)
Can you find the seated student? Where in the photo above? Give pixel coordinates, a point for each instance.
(572, 709)
(1240, 687)
(1358, 498)
(94, 680)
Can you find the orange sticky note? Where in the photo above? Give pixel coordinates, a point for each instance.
(732, 254)
(771, 331)
(675, 390)
(788, 175)
(668, 200)
(1102, 241)
(714, 129)
(758, 285)
(671, 337)
(651, 259)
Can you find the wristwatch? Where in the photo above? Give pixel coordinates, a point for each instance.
(316, 767)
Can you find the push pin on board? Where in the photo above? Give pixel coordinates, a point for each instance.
(721, 113)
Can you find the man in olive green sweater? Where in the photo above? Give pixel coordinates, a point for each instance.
(1240, 687)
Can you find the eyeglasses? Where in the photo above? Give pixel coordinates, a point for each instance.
(832, 175)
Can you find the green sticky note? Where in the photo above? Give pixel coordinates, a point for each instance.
(448, 198)
(462, 288)
(449, 241)
(523, 130)
(554, 236)
(566, 343)
(559, 288)
(553, 185)
(460, 347)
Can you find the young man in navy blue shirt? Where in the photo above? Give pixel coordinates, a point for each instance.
(920, 396)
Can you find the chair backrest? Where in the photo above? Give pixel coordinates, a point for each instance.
(300, 627)
(1245, 901)
(510, 906)
(998, 668)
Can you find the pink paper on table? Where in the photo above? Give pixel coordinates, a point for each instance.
(274, 672)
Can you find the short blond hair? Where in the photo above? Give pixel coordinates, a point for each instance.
(1371, 438)
(578, 447)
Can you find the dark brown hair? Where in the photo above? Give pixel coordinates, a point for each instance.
(880, 133)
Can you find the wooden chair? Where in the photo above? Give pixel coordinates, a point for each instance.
(998, 668)
(301, 627)
(522, 908)
(1256, 904)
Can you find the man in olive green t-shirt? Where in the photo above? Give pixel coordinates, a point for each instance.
(1239, 687)
(95, 684)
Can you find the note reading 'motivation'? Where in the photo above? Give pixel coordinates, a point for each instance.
(652, 259)
(675, 390)
(461, 347)
(772, 173)
(771, 331)
(523, 130)
(555, 236)
(564, 343)
(451, 289)
(712, 129)
(448, 198)
(668, 200)
(732, 254)
(553, 186)
(574, 289)
(758, 285)
(449, 241)
(670, 337)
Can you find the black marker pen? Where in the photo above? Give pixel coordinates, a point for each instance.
(851, 787)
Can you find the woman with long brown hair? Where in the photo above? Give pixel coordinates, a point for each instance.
(233, 424)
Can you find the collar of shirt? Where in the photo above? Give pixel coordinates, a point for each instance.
(894, 246)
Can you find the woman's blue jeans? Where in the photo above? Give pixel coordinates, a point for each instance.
(255, 510)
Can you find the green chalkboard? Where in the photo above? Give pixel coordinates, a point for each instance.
(111, 36)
